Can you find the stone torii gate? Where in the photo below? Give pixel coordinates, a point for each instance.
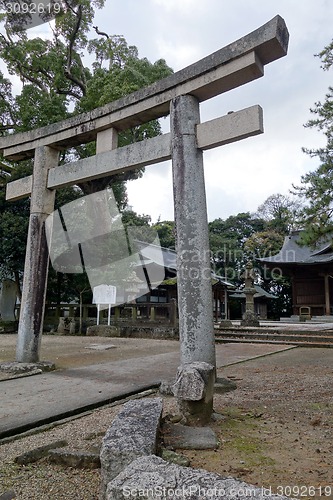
(178, 95)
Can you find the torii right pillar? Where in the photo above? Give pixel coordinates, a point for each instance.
(194, 386)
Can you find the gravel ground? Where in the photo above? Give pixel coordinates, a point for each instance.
(45, 481)
(275, 431)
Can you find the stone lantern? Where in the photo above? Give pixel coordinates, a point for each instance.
(250, 318)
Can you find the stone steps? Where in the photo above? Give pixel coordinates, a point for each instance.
(299, 338)
(314, 319)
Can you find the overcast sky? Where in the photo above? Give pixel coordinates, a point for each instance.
(240, 176)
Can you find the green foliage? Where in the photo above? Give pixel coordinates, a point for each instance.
(14, 219)
(48, 108)
(7, 106)
(131, 218)
(12, 249)
(281, 287)
(317, 215)
(56, 84)
(227, 239)
(246, 237)
(263, 243)
(167, 233)
(280, 213)
(64, 288)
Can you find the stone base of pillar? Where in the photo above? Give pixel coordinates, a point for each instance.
(194, 390)
(250, 319)
(15, 369)
(196, 413)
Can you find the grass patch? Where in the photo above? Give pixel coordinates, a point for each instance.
(240, 434)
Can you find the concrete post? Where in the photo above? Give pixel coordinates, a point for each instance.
(152, 315)
(134, 313)
(116, 313)
(327, 296)
(193, 256)
(36, 259)
(173, 312)
(8, 296)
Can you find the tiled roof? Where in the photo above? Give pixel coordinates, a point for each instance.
(239, 294)
(293, 253)
(168, 258)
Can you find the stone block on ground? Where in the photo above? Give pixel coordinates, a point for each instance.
(133, 433)
(103, 331)
(165, 480)
(100, 347)
(76, 459)
(38, 453)
(182, 437)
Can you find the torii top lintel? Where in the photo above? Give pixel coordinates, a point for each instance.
(232, 66)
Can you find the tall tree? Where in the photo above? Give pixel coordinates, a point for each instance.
(316, 187)
(56, 84)
(280, 213)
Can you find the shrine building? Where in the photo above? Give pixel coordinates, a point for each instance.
(311, 273)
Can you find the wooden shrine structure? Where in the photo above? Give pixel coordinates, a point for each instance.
(310, 270)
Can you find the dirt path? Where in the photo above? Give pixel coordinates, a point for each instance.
(276, 429)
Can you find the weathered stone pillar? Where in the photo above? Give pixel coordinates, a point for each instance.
(194, 282)
(193, 256)
(36, 259)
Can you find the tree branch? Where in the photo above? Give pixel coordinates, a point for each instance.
(71, 93)
(68, 70)
(101, 33)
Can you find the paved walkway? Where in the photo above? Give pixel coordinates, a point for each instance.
(101, 375)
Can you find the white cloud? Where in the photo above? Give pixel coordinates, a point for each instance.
(152, 194)
(184, 7)
(180, 55)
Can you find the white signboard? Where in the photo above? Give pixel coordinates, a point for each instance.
(104, 294)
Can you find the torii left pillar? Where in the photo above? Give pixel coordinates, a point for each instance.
(36, 259)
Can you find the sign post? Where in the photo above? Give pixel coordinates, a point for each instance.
(104, 295)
